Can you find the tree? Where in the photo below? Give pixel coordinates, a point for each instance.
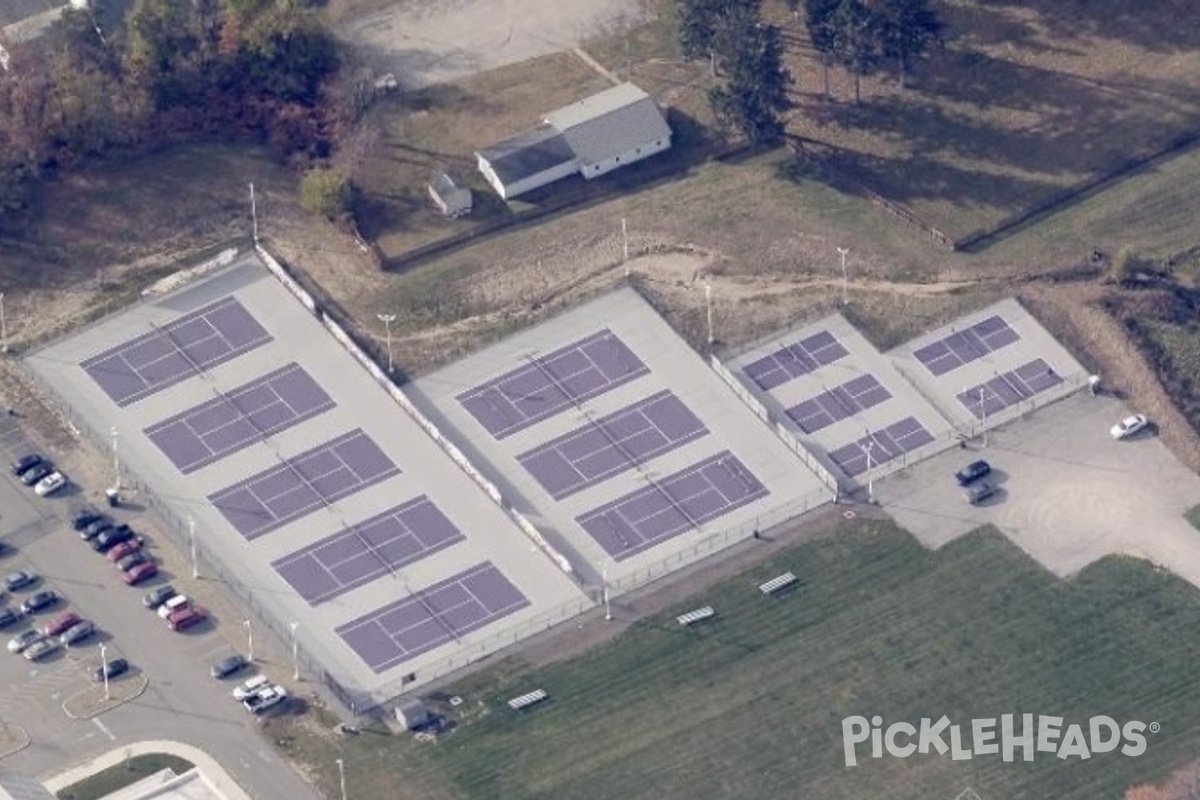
(756, 95)
(907, 29)
(326, 192)
(822, 31)
(704, 27)
(856, 41)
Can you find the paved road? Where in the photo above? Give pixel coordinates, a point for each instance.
(181, 702)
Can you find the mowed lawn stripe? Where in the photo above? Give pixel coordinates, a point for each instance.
(750, 705)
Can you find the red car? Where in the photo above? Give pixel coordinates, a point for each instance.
(140, 572)
(57, 626)
(184, 618)
(122, 550)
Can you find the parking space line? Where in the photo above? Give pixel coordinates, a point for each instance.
(103, 728)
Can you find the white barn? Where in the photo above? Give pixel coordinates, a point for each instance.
(598, 134)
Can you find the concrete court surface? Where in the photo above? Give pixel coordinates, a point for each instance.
(1069, 495)
(425, 43)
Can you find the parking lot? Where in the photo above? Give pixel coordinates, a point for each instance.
(53, 715)
(1068, 494)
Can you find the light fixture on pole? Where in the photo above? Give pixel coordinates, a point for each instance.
(708, 307)
(116, 461)
(192, 543)
(254, 214)
(295, 651)
(3, 327)
(870, 479)
(342, 777)
(625, 247)
(983, 412)
(387, 320)
(249, 640)
(604, 594)
(844, 251)
(104, 669)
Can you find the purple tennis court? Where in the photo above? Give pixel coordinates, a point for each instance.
(239, 418)
(176, 351)
(552, 383)
(879, 447)
(1009, 388)
(794, 360)
(613, 444)
(303, 483)
(358, 555)
(963, 347)
(432, 617)
(836, 404)
(677, 503)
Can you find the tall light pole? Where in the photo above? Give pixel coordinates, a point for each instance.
(604, 593)
(625, 247)
(708, 307)
(3, 327)
(116, 461)
(295, 651)
(254, 214)
(387, 320)
(342, 776)
(192, 543)
(983, 411)
(844, 251)
(104, 670)
(249, 640)
(870, 479)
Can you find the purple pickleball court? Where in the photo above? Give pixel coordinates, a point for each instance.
(239, 418)
(881, 446)
(796, 359)
(371, 549)
(431, 617)
(613, 444)
(302, 484)
(550, 384)
(1009, 388)
(970, 344)
(682, 501)
(840, 402)
(173, 352)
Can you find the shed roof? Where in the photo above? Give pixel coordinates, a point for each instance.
(528, 154)
(613, 122)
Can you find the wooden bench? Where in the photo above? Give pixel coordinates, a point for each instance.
(775, 584)
(696, 616)
(526, 700)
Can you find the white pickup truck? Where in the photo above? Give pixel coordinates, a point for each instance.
(265, 698)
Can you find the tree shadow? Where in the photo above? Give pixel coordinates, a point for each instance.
(1159, 26)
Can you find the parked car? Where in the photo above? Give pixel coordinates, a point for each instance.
(228, 666)
(77, 633)
(9, 616)
(158, 595)
(85, 517)
(38, 601)
(250, 686)
(32, 476)
(114, 668)
(972, 472)
(185, 618)
(264, 698)
(95, 528)
(54, 482)
(142, 571)
(171, 605)
(19, 580)
(132, 560)
(23, 639)
(111, 538)
(59, 624)
(976, 493)
(26, 463)
(122, 550)
(1128, 427)
(40, 649)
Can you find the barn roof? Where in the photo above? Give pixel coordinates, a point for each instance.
(611, 123)
(527, 154)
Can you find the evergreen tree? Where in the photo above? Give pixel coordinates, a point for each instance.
(907, 29)
(756, 95)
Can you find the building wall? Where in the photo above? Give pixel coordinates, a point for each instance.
(590, 171)
(509, 191)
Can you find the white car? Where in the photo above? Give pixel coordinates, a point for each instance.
(23, 639)
(1128, 426)
(265, 698)
(172, 605)
(251, 686)
(50, 484)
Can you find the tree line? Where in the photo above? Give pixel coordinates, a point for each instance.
(179, 70)
(859, 35)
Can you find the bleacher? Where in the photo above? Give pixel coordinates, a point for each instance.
(527, 700)
(777, 584)
(696, 616)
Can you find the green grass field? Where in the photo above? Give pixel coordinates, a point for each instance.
(750, 705)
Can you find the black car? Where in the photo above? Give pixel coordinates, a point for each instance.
(111, 538)
(85, 517)
(158, 595)
(227, 666)
(32, 476)
(38, 601)
(96, 528)
(26, 463)
(9, 616)
(972, 472)
(132, 560)
(114, 668)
